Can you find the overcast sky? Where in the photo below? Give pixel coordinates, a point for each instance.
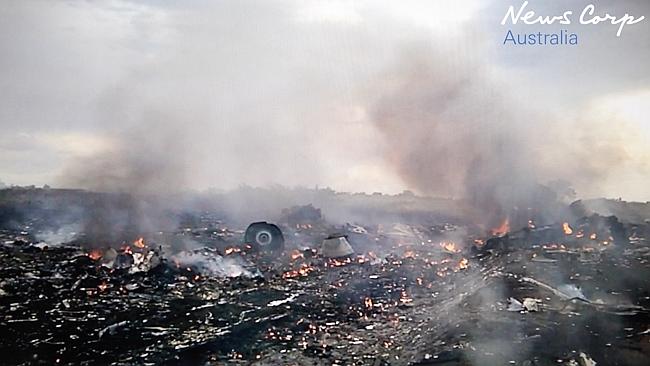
(199, 94)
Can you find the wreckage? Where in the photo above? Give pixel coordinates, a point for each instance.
(264, 236)
(569, 293)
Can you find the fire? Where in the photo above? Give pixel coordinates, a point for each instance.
(503, 229)
(231, 250)
(303, 271)
(567, 229)
(368, 302)
(139, 243)
(593, 236)
(334, 262)
(463, 264)
(295, 254)
(95, 254)
(450, 247)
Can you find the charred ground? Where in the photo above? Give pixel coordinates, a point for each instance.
(424, 286)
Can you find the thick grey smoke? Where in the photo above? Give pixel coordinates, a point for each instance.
(451, 130)
(144, 160)
(206, 95)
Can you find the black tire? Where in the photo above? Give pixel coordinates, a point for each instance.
(264, 237)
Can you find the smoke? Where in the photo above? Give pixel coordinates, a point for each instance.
(61, 235)
(449, 132)
(204, 95)
(211, 264)
(452, 130)
(142, 166)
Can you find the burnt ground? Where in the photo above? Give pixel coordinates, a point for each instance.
(414, 303)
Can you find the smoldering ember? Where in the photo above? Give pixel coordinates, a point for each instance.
(316, 277)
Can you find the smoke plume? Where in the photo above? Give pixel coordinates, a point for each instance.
(451, 130)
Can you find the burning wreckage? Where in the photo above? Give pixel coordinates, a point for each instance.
(570, 293)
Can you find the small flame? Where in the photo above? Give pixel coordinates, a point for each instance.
(503, 229)
(95, 254)
(334, 262)
(368, 302)
(231, 250)
(463, 264)
(450, 247)
(295, 254)
(567, 229)
(593, 236)
(303, 271)
(139, 243)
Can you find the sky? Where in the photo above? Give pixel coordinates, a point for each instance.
(359, 96)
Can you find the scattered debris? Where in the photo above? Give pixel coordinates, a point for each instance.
(515, 305)
(420, 293)
(530, 304)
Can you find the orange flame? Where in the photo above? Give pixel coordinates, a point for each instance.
(334, 262)
(567, 229)
(368, 302)
(95, 254)
(139, 243)
(303, 271)
(463, 264)
(450, 247)
(503, 229)
(231, 250)
(295, 254)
